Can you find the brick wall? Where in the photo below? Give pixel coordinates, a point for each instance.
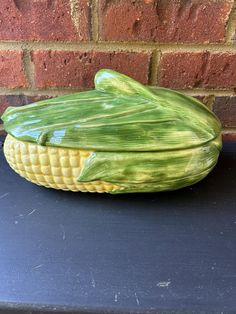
(54, 47)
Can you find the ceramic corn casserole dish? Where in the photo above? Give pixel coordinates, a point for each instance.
(120, 137)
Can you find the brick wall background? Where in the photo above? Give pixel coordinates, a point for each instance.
(54, 47)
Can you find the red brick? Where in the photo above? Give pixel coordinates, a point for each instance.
(229, 136)
(220, 71)
(181, 70)
(164, 20)
(17, 100)
(77, 69)
(225, 109)
(202, 69)
(43, 20)
(11, 69)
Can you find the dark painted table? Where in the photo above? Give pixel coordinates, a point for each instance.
(163, 252)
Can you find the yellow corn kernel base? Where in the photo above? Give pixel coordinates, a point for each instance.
(52, 167)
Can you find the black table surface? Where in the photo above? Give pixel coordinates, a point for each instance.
(141, 253)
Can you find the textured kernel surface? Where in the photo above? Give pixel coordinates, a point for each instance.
(51, 167)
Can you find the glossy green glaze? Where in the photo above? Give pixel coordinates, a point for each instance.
(143, 138)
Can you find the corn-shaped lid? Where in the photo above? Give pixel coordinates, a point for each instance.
(120, 114)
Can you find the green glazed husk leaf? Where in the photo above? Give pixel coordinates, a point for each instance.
(143, 138)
